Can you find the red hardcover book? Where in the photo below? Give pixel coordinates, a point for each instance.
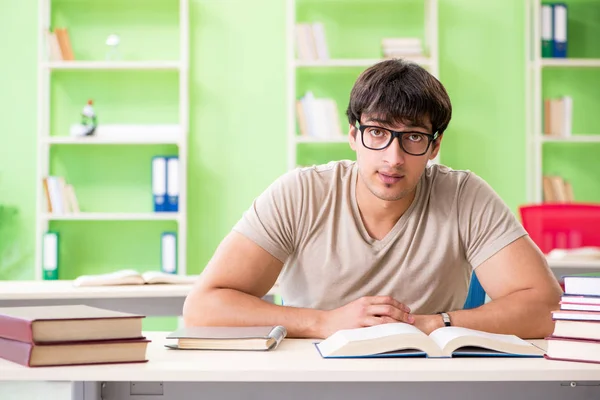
(67, 324)
(74, 353)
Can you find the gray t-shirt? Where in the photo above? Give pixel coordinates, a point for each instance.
(309, 219)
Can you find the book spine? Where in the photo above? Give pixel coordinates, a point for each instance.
(16, 329)
(15, 351)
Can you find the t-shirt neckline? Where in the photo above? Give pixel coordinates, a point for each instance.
(375, 243)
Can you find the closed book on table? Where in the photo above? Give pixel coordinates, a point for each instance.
(572, 349)
(67, 323)
(228, 337)
(74, 353)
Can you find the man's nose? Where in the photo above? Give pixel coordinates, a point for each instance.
(393, 154)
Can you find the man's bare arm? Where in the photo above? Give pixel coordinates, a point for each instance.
(523, 293)
(229, 293)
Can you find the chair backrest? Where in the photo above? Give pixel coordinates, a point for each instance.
(562, 226)
(476, 294)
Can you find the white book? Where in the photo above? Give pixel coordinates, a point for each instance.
(132, 277)
(401, 340)
(305, 43)
(567, 114)
(318, 31)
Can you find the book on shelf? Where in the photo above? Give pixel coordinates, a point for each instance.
(401, 47)
(59, 195)
(553, 24)
(165, 183)
(405, 340)
(557, 190)
(53, 52)
(318, 117)
(132, 277)
(228, 337)
(558, 116)
(310, 42)
(70, 335)
(64, 43)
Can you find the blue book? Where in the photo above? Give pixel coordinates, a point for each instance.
(559, 30)
(159, 183)
(405, 340)
(172, 184)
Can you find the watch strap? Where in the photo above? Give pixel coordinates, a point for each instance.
(446, 319)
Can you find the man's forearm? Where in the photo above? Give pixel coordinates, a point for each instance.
(526, 313)
(228, 307)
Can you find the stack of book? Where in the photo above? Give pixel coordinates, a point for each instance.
(59, 195)
(318, 117)
(401, 47)
(70, 335)
(310, 42)
(557, 189)
(576, 335)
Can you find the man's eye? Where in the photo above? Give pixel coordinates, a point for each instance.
(415, 137)
(376, 132)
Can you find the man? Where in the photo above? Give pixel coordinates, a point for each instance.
(384, 239)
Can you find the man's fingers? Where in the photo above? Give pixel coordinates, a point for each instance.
(389, 300)
(373, 320)
(386, 310)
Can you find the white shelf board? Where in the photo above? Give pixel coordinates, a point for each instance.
(575, 264)
(308, 139)
(570, 62)
(91, 140)
(113, 65)
(93, 216)
(349, 62)
(595, 138)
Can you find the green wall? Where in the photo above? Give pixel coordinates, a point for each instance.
(237, 109)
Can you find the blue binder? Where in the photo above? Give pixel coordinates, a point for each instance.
(159, 183)
(172, 184)
(559, 30)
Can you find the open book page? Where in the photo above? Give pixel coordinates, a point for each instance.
(576, 254)
(132, 277)
(163, 277)
(451, 339)
(123, 277)
(377, 339)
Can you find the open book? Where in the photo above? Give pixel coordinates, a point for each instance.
(132, 277)
(405, 340)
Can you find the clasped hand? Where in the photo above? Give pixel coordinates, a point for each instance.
(363, 312)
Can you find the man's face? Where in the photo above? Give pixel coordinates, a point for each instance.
(391, 174)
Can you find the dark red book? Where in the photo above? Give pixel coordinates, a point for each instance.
(74, 353)
(46, 324)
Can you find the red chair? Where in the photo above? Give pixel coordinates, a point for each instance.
(564, 226)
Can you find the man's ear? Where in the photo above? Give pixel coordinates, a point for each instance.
(436, 146)
(352, 136)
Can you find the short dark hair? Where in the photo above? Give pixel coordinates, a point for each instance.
(399, 91)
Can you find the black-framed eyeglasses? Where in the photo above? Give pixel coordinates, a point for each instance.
(413, 143)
